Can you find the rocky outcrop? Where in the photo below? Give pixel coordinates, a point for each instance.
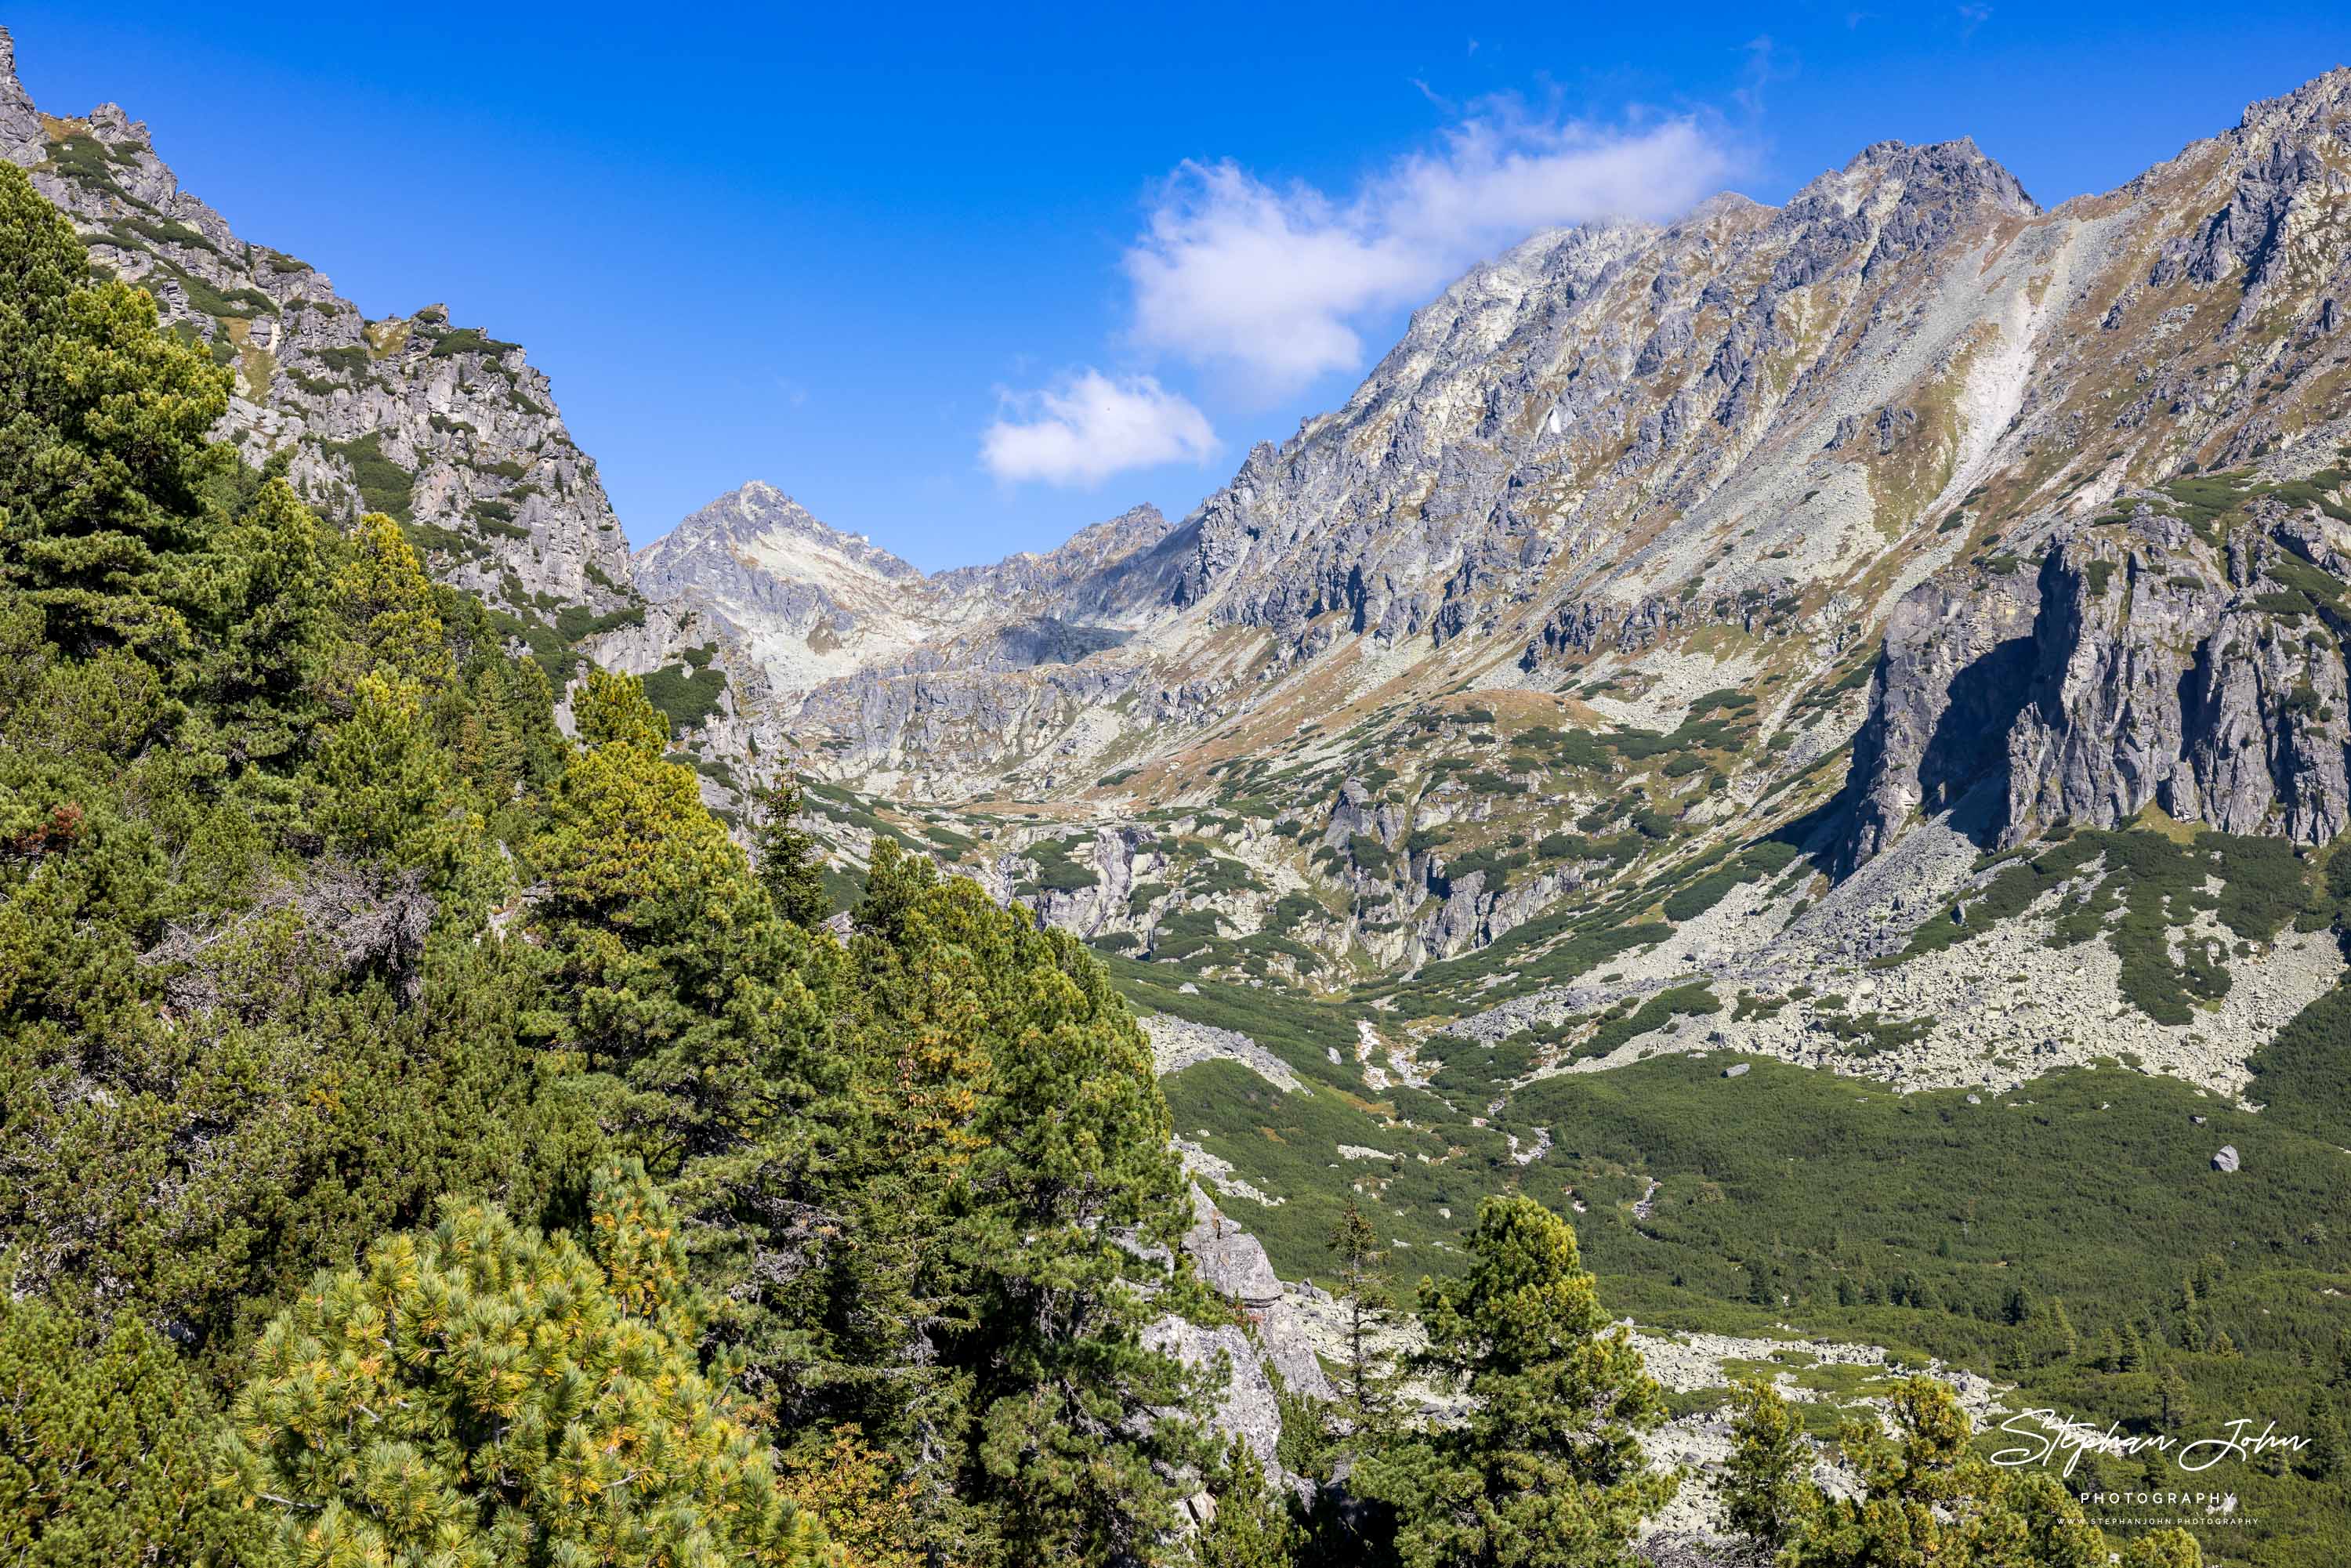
(2159, 680)
(1266, 1339)
(1233, 1263)
(2143, 663)
(451, 430)
(1946, 691)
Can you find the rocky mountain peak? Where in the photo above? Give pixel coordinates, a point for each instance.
(22, 140)
(2325, 100)
(1137, 527)
(756, 518)
(1954, 176)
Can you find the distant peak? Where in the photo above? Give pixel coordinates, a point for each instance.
(2327, 91)
(755, 510)
(1137, 527)
(1950, 176)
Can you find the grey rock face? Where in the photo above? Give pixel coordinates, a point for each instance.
(2159, 680)
(1233, 1263)
(2142, 663)
(451, 430)
(1948, 689)
(2226, 1158)
(1266, 1334)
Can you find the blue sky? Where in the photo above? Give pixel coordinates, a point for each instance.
(967, 279)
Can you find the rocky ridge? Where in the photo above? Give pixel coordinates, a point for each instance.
(451, 430)
(1642, 531)
(448, 430)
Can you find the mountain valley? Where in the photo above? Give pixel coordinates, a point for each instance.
(1813, 740)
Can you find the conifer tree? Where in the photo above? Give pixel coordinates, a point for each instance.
(2322, 1425)
(1546, 1470)
(103, 473)
(2064, 1343)
(786, 853)
(480, 1395)
(683, 982)
(1071, 1157)
(1368, 1401)
(1927, 1498)
(381, 780)
(1766, 1485)
(2178, 1404)
(1252, 1527)
(272, 640)
(391, 610)
(2173, 1548)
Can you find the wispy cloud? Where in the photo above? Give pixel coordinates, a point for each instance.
(1092, 426)
(1274, 281)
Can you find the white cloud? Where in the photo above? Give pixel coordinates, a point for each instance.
(1091, 427)
(1273, 282)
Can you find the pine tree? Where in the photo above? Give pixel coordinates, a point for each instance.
(1072, 1156)
(1546, 1471)
(682, 981)
(2064, 1343)
(786, 853)
(2173, 1548)
(106, 1449)
(1927, 1498)
(854, 1490)
(2322, 1425)
(392, 612)
(2132, 1356)
(1368, 1401)
(2179, 1403)
(1251, 1527)
(272, 641)
(382, 783)
(1766, 1485)
(481, 1395)
(104, 471)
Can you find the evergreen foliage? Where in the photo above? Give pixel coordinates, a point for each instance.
(483, 1395)
(1927, 1497)
(105, 1450)
(1369, 1401)
(1546, 1469)
(313, 926)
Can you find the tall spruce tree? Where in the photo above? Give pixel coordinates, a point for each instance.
(787, 854)
(1546, 1469)
(1370, 1403)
